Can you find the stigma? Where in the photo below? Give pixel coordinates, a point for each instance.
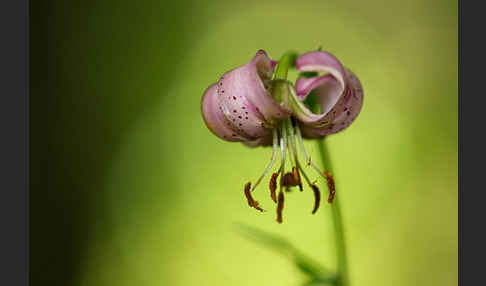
(285, 136)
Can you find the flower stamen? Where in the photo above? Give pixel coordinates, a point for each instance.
(330, 185)
(302, 148)
(280, 206)
(296, 174)
(315, 189)
(274, 155)
(317, 197)
(273, 186)
(283, 150)
(251, 202)
(326, 175)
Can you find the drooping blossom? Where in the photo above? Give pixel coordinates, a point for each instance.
(250, 104)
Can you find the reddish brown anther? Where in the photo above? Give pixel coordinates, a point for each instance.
(295, 171)
(251, 202)
(317, 197)
(273, 187)
(280, 206)
(330, 185)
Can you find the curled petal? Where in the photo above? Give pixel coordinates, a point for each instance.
(330, 98)
(214, 117)
(247, 85)
(339, 93)
(305, 85)
(244, 109)
(351, 106)
(321, 61)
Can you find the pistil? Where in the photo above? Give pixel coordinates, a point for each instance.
(315, 189)
(283, 154)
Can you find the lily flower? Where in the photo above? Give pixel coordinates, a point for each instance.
(255, 105)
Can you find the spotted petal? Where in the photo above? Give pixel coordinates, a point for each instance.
(339, 93)
(214, 117)
(239, 107)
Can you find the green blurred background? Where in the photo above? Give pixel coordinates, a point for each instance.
(128, 187)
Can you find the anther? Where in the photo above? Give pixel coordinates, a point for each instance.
(317, 197)
(251, 202)
(295, 171)
(273, 187)
(330, 185)
(280, 206)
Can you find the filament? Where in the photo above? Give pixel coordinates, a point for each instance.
(274, 155)
(315, 189)
(292, 156)
(301, 143)
(283, 151)
(293, 151)
(292, 142)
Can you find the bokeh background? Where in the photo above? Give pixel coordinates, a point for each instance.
(128, 187)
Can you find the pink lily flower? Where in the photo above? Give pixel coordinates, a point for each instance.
(253, 105)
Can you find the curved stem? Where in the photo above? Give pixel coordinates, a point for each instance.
(342, 266)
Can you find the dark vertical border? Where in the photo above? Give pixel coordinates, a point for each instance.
(27, 145)
(14, 81)
(472, 143)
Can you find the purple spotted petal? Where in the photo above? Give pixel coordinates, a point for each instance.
(242, 105)
(340, 95)
(248, 84)
(352, 107)
(214, 117)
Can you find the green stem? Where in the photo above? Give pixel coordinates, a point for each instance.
(342, 267)
(286, 61)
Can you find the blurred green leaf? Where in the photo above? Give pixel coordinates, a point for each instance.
(284, 247)
(321, 281)
(308, 267)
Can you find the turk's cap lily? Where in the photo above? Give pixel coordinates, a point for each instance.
(256, 105)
